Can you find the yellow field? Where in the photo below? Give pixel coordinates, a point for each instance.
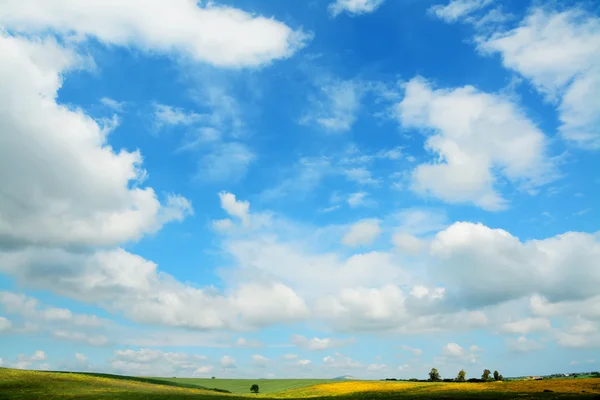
(590, 386)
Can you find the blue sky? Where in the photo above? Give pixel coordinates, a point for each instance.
(300, 189)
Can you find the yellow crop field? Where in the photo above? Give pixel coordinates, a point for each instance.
(589, 386)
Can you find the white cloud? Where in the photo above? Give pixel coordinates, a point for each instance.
(557, 52)
(5, 325)
(241, 342)
(132, 285)
(523, 345)
(476, 137)
(458, 9)
(362, 233)
(81, 357)
(117, 106)
(407, 243)
(377, 368)
(588, 307)
(362, 176)
(165, 115)
(226, 162)
(417, 352)
(81, 337)
(260, 361)
(336, 108)
(151, 362)
(180, 27)
(482, 266)
(304, 362)
(580, 333)
(526, 326)
(290, 356)
(83, 193)
(589, 361)
(354, 7)
(340, 361)
(453, 352)
(235, 208)
(203, 370)
(308, 172)
(317, 344)
(228, 362)
(359, 199)
(30, 308)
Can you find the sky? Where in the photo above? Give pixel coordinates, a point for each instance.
(262, 189)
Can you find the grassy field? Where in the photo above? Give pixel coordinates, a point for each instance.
(242, 386)
(25, 385)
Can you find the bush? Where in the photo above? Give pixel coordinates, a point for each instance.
(254, 388)
(413, 380)
(475, 380)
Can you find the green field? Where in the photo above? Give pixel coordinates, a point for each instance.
(26, 385)
(242, 386)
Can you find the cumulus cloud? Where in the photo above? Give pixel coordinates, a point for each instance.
(354, 7)
(362, 233)
(235, 208)
(128, 283)
(319, 343)
(484, 266)
(27, 362)
(557, 51)
(475, 137)
(84, 193)
(181, 27)
(153, 361)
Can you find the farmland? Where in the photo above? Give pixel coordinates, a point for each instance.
(240, 386)
(18, 384)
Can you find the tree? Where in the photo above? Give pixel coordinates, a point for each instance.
(254, 388)
(461, 376)
(212, 377)
(496, 375)
(486, 374)
(500, 377)
(434, 375)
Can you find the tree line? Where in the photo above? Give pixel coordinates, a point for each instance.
(434, 376)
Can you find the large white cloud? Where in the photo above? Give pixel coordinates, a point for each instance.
(61, 182)
(223, 36)
(126, 283)
(480, 265)
(558, 53)
(475, 137)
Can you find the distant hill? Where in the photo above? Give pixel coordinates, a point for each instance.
(345, 378)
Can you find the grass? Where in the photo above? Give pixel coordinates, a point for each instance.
(25, 385)
(242, 386)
